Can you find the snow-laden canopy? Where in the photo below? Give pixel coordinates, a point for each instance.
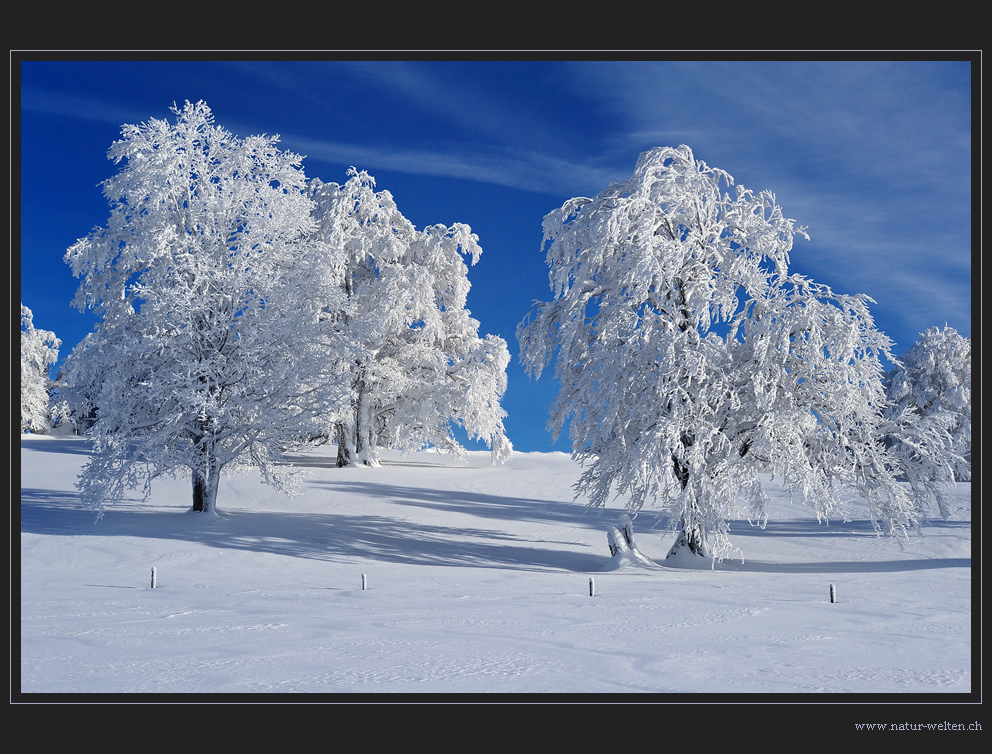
(691, 358)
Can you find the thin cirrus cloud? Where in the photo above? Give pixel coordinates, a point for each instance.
(64, 105)
(455, 125)
(496, 161)
(861, 153)
(509, 168)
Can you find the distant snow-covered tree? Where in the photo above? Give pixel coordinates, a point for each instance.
(932, 383)
(691, 360)
(415, 364)
(39, 351)
(205, 356)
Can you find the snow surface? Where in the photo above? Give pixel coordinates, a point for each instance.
(478, 581)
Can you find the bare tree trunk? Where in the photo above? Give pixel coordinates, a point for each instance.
(213, 483)
(356, 438)
(206, 476)
(345, 447)
(199, 491)
(692, 534)
(365, 450)
(206, 480)
(201, 471)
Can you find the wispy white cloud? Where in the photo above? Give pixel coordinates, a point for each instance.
(512, 168)
(73, 106)
(883, 120)
(874, 157)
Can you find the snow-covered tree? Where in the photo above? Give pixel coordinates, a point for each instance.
(39, 351)
(206, 351)
(415, 364)
(932, 385)
(691, 360)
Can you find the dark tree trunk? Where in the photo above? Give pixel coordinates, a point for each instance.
(691, 533)
(200, 470)
(693, 537)
(206, 476)
(341, 434)
(199, 492)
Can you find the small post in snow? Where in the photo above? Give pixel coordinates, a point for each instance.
(365, 583)
(154, 577)
(592, 588)
(833, 594)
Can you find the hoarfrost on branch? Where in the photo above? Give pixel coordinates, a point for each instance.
(691, 360)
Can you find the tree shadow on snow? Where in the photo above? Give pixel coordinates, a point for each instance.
(812, 528)
(318, 536)
(340, 537)
(848, 530)
(59, 444)
(53, 512)
(841, 566)
(479, 504)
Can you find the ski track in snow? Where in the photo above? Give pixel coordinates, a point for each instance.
(478, 582)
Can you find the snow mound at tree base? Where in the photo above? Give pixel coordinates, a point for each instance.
(622, 548)
(209, 517)
(629, 559)
(683, 557)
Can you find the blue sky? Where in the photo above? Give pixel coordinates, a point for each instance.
(873, 156)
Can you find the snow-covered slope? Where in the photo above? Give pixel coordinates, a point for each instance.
(478, 580)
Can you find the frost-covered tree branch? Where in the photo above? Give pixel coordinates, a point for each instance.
(930, 391)
(691, 360)
(206, 354)
(244, 310)
(39, 351)
(415, 364)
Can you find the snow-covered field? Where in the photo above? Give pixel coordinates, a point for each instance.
(478, 580)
